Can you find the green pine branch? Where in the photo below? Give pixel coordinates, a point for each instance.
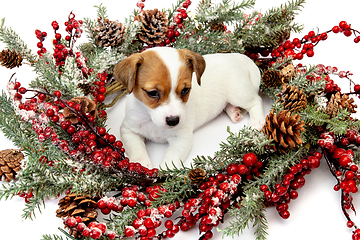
(252, 210)
(14, 42)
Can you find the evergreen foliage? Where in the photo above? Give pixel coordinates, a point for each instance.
(250, 31)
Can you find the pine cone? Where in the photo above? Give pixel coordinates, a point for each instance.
(85, 87)
(284, 129)
(218, 27)
(292, 98)
(10, 164)
(87, 106)
(271, 78)
(197, 175)
(109, 33)
(154, 26)
(287, 73)
(340, 101)
(10, 59)
(282, 36)
(78, 205)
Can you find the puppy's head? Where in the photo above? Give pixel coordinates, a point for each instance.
(161, 78)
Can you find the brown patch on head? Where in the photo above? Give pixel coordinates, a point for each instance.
(147, 76)
(192, 62)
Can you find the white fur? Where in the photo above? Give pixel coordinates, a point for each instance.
(230, 81)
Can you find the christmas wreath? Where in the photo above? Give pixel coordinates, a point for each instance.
(59, 124)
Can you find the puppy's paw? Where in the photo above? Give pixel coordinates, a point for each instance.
(234, 113)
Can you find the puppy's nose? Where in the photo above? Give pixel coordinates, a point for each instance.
(172, 121)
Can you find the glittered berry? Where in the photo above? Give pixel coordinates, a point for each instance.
(95, 233)
(101, 226)
(71, 222)
(345, 160)
(148, 223)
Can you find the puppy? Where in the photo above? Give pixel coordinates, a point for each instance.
(166, 106)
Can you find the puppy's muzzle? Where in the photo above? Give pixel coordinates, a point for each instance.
(172, 121)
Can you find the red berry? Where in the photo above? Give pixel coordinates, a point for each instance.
(106, 211)
(342, 24)
(101, 226)
(101, 204)
(313, 162)
(148, 223)
(349, 224)
(100, 97)
(111, 235)
(129, 232)
(285, 214)
(250, 159)
(310, 53)
(168, 224)
(232, 169)
(294, 194)
(102, 131)
(264, 188)
(102, 90)
(57, 94)
(71, 222)
(357, 88)
(347, 33)
(86, 232)
(345, 160)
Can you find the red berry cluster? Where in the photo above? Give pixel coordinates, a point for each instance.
(298, 48)
(140, 4)
(61, 51)
(45, 160)
(248, 168)
(346, 29)
(99, 89)
(341, 164)
(305, 46)
(130, 196)
(41, 36)
(94, 230)
(149, 219)
(89, 143)
(108, 204)
(286, 191)
(174, 30)
(26, 195)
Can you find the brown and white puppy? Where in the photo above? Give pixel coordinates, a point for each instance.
(165, 105)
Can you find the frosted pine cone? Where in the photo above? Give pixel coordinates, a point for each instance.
(109, 33)
(10, 164)
(292, 98)
(154, 26)
(10, 59)
(284, 129)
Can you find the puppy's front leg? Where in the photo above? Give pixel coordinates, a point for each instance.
(135, 148)
(178, 150)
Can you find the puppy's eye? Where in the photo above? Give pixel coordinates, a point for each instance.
(153, 94)
(185, 91)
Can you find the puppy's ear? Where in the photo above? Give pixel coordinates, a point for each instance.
(196, 62)
(126, 70)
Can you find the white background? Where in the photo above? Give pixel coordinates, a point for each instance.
(316, 214)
